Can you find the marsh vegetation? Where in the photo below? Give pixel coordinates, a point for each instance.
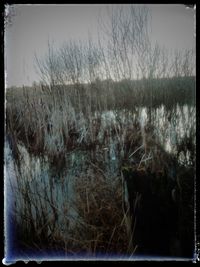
(100, 156)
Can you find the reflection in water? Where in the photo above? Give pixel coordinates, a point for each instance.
(49, 193)
(171, 126)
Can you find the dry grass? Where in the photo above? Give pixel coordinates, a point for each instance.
(100, 205)
(55, 124)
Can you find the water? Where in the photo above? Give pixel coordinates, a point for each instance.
(49, 192)
(171, 126)
(53, 191)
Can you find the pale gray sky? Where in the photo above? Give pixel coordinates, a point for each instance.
(33, 25)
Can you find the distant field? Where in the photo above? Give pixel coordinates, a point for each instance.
(125, 94)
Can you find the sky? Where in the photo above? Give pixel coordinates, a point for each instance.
(173, 26)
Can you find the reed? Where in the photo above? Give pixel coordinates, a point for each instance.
(44, 127)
